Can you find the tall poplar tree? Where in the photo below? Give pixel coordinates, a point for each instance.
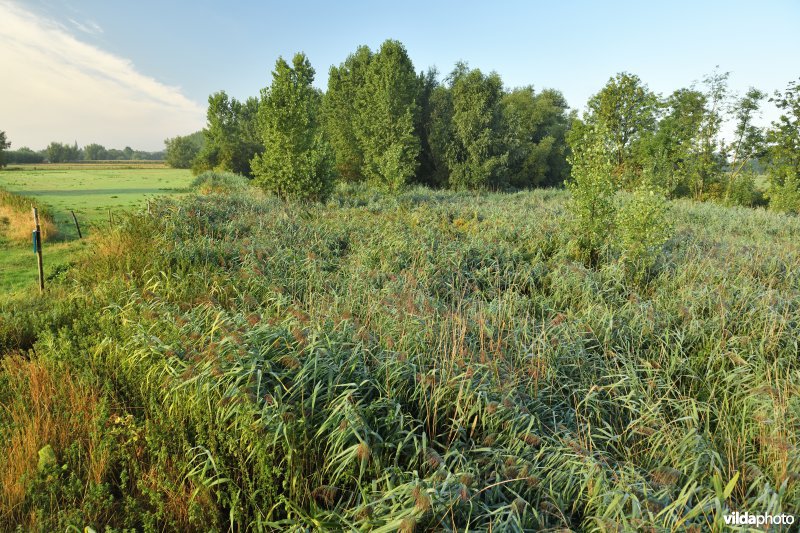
(297, 162)
(340, 110)
(387, 111)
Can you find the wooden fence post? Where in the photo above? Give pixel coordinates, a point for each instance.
(77, 226)
(37, 243)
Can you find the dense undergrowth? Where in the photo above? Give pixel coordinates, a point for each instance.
(433, 360)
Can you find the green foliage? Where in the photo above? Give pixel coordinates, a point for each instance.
(231, 136)
(181, 151)
(783, 139)
(535, 128)
(298, 163)
(385, 122)
(219, 183)
(642, 227)
(95, 152)
(476, 155)
(741, 189)
(24, 156)
(429, 172)
(61, 153)
(340, 113)
(624, 111)
(592, 189)
(439, 133)
(671, 154)
(635, 228)
(705, 180)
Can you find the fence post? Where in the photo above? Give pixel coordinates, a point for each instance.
(37, 242)
(77, 226)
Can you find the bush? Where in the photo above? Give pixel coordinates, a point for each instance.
(642, 228)
(742, 191)
(212, 182)
(592, 205)
(786, 196)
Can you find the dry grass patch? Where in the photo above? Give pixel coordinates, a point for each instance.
(47, 408)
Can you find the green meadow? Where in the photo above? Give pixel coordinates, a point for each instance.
(92, 192)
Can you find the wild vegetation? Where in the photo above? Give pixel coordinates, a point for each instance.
(425, 360)
(363, 318)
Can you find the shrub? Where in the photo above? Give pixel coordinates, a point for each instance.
(785, 197)
(219, 183)
(742, 191)
(642, 228)
(592, 204)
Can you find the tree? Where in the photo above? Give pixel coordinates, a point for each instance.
(748, 143)
(231, 138)
(708, 166)
(476, 156)
(4, 144)
(625, 111)
(182, 150)
(298, 162)
(438, 127)
(429, 171)
(339, 113)
(60, 153)
(384, 125)
(535, 127)
(23, 155)
(783, 146)
(672, 153)
(94, 152)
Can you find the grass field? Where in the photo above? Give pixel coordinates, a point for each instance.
(430, 361)
(91, 191)
(84, 165)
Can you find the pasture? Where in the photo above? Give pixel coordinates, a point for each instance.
(432, 360)
(91, 191)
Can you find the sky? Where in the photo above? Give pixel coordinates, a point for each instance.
(135, 73)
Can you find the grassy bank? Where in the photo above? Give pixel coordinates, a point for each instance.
(433, 360)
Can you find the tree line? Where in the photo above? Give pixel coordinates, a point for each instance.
(672, 144)
(382, 122)
(57, 152)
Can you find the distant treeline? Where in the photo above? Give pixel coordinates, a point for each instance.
(68, 153)
(379, 121)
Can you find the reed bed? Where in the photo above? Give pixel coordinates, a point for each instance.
(430, 361)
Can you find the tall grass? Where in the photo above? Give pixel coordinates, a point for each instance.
(16, 219)
(433, 361)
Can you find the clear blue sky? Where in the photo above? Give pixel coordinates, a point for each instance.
(202, 46)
